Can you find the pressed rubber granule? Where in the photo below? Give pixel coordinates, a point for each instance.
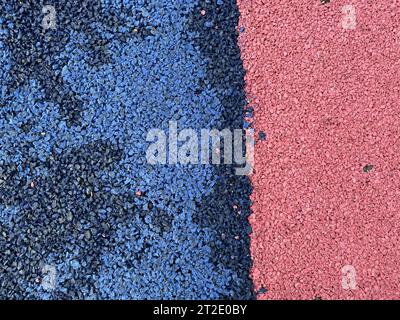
(324, 81)
(82, 214)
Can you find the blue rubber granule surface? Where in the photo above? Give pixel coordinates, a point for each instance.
(76, 192)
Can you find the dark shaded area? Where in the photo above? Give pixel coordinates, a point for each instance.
(70, 209)
(226, 211)
(34, 49)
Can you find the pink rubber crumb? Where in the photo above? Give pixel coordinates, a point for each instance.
(326, 91)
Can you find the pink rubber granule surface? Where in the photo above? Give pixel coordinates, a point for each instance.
(328, 99)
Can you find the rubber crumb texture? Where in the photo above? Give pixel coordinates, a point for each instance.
(327, 181)
(76, 193)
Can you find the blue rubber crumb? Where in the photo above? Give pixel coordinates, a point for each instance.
(76, 192)
(262, 136)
